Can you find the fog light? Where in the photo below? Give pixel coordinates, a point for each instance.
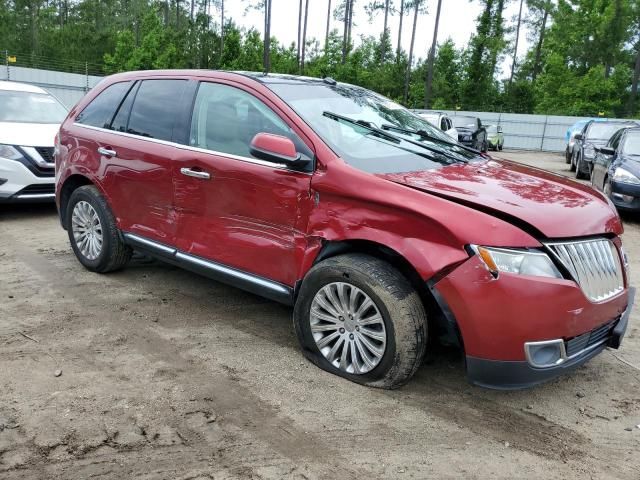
(545, 354)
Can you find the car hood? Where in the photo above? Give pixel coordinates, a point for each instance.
(542, 203)
(28, 134)
(630, 163)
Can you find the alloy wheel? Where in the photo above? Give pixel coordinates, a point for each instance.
(87, 230)
(348, 328)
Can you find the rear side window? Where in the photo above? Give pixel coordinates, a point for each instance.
(122, 117)
(154, 108)
(102, 108)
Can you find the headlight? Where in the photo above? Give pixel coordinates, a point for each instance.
(589, 151)
(624, 176)
(522, 262)
(9, 152)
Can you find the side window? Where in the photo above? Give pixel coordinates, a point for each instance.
(121, 119)
(101, 109)
(154, 108)
(615, 140)
(225, 119)
(443, 124)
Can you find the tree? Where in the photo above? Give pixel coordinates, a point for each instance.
(430, 61)
(372, 8)
(326, 37)
(418, 7)
(267, 36)
(304, 35)
(515, 47)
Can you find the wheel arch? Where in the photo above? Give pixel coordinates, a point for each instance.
(438, 315)
(70, 184)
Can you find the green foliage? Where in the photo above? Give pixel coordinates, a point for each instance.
(580, 62)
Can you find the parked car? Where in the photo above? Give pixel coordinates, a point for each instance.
(616, 169)
(570, 138)
(439, 120)
(380, 232)
(471, 132)
(29, 120)
(595, 133)
(495, 137)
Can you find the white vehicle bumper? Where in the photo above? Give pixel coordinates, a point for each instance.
(19, 184)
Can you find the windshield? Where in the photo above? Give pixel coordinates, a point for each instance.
(492, 129)
(602, 130)
(631, 145)
(29, 107)
(358, 145)
(465, 122)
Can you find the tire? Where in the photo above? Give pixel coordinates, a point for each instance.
(572, 167)
(403, 320)
(606, 187)
(567, 156)
(580, 175)
(485, 147)
(112, 254)
(500, 147)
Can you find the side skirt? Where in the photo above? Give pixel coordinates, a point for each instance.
(216, 271)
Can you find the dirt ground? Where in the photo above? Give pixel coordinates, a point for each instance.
(168, 375)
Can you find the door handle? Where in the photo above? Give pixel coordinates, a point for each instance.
(106, 152)
(189, 172)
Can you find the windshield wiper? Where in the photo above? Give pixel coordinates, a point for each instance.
(423, 134)
(363, 124)
(392, 138)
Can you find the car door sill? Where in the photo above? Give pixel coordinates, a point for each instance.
(216, 271)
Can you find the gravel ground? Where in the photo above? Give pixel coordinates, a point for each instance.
(168, 375)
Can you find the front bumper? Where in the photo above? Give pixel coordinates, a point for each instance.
(625, 196)
(497, 316)
(19, 184)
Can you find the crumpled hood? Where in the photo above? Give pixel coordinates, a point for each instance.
(540, 201)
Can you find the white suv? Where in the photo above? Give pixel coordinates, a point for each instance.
(29, 120)
(439, 120)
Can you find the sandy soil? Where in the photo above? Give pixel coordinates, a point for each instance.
(168, 375)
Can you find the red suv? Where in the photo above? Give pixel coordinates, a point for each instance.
(382, 233)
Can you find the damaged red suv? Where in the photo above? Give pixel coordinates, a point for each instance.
(383, 234)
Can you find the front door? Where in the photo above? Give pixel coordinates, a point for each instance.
(232, 208)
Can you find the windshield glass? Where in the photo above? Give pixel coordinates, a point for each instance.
(358, 145)
(602, 130)
(465, 122)
(492, 128)
(631, 145)
(29, 107)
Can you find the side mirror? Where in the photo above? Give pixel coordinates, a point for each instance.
(499, 129)
(277, 149)
(606, 150)
(578, 136)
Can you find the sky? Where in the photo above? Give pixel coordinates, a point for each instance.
(457, 20)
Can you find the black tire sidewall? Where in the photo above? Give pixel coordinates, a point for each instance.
(311, 285)
(89, 196)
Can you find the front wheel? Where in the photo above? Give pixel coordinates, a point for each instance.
(358, 317)
(93, 233)
(580, 167)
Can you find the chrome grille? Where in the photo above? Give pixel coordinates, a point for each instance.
(593, 264)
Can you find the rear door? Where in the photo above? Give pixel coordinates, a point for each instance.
(234, 209)
(137, 156)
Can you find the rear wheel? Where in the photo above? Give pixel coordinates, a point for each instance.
(358, 317)
(93, 233)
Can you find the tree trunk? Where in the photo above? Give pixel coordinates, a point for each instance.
(345, 33)
(267, 36)
(351, 2)
(431, 60)
(634, 84)
(399, 50)
(304, 35)
(177, 14)
(221, 30)
(384, 31)
(515, 48)
(193, 4)
(413, 38)
(166, 13)
(543, 28)
(298, 50)
(326, 35)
